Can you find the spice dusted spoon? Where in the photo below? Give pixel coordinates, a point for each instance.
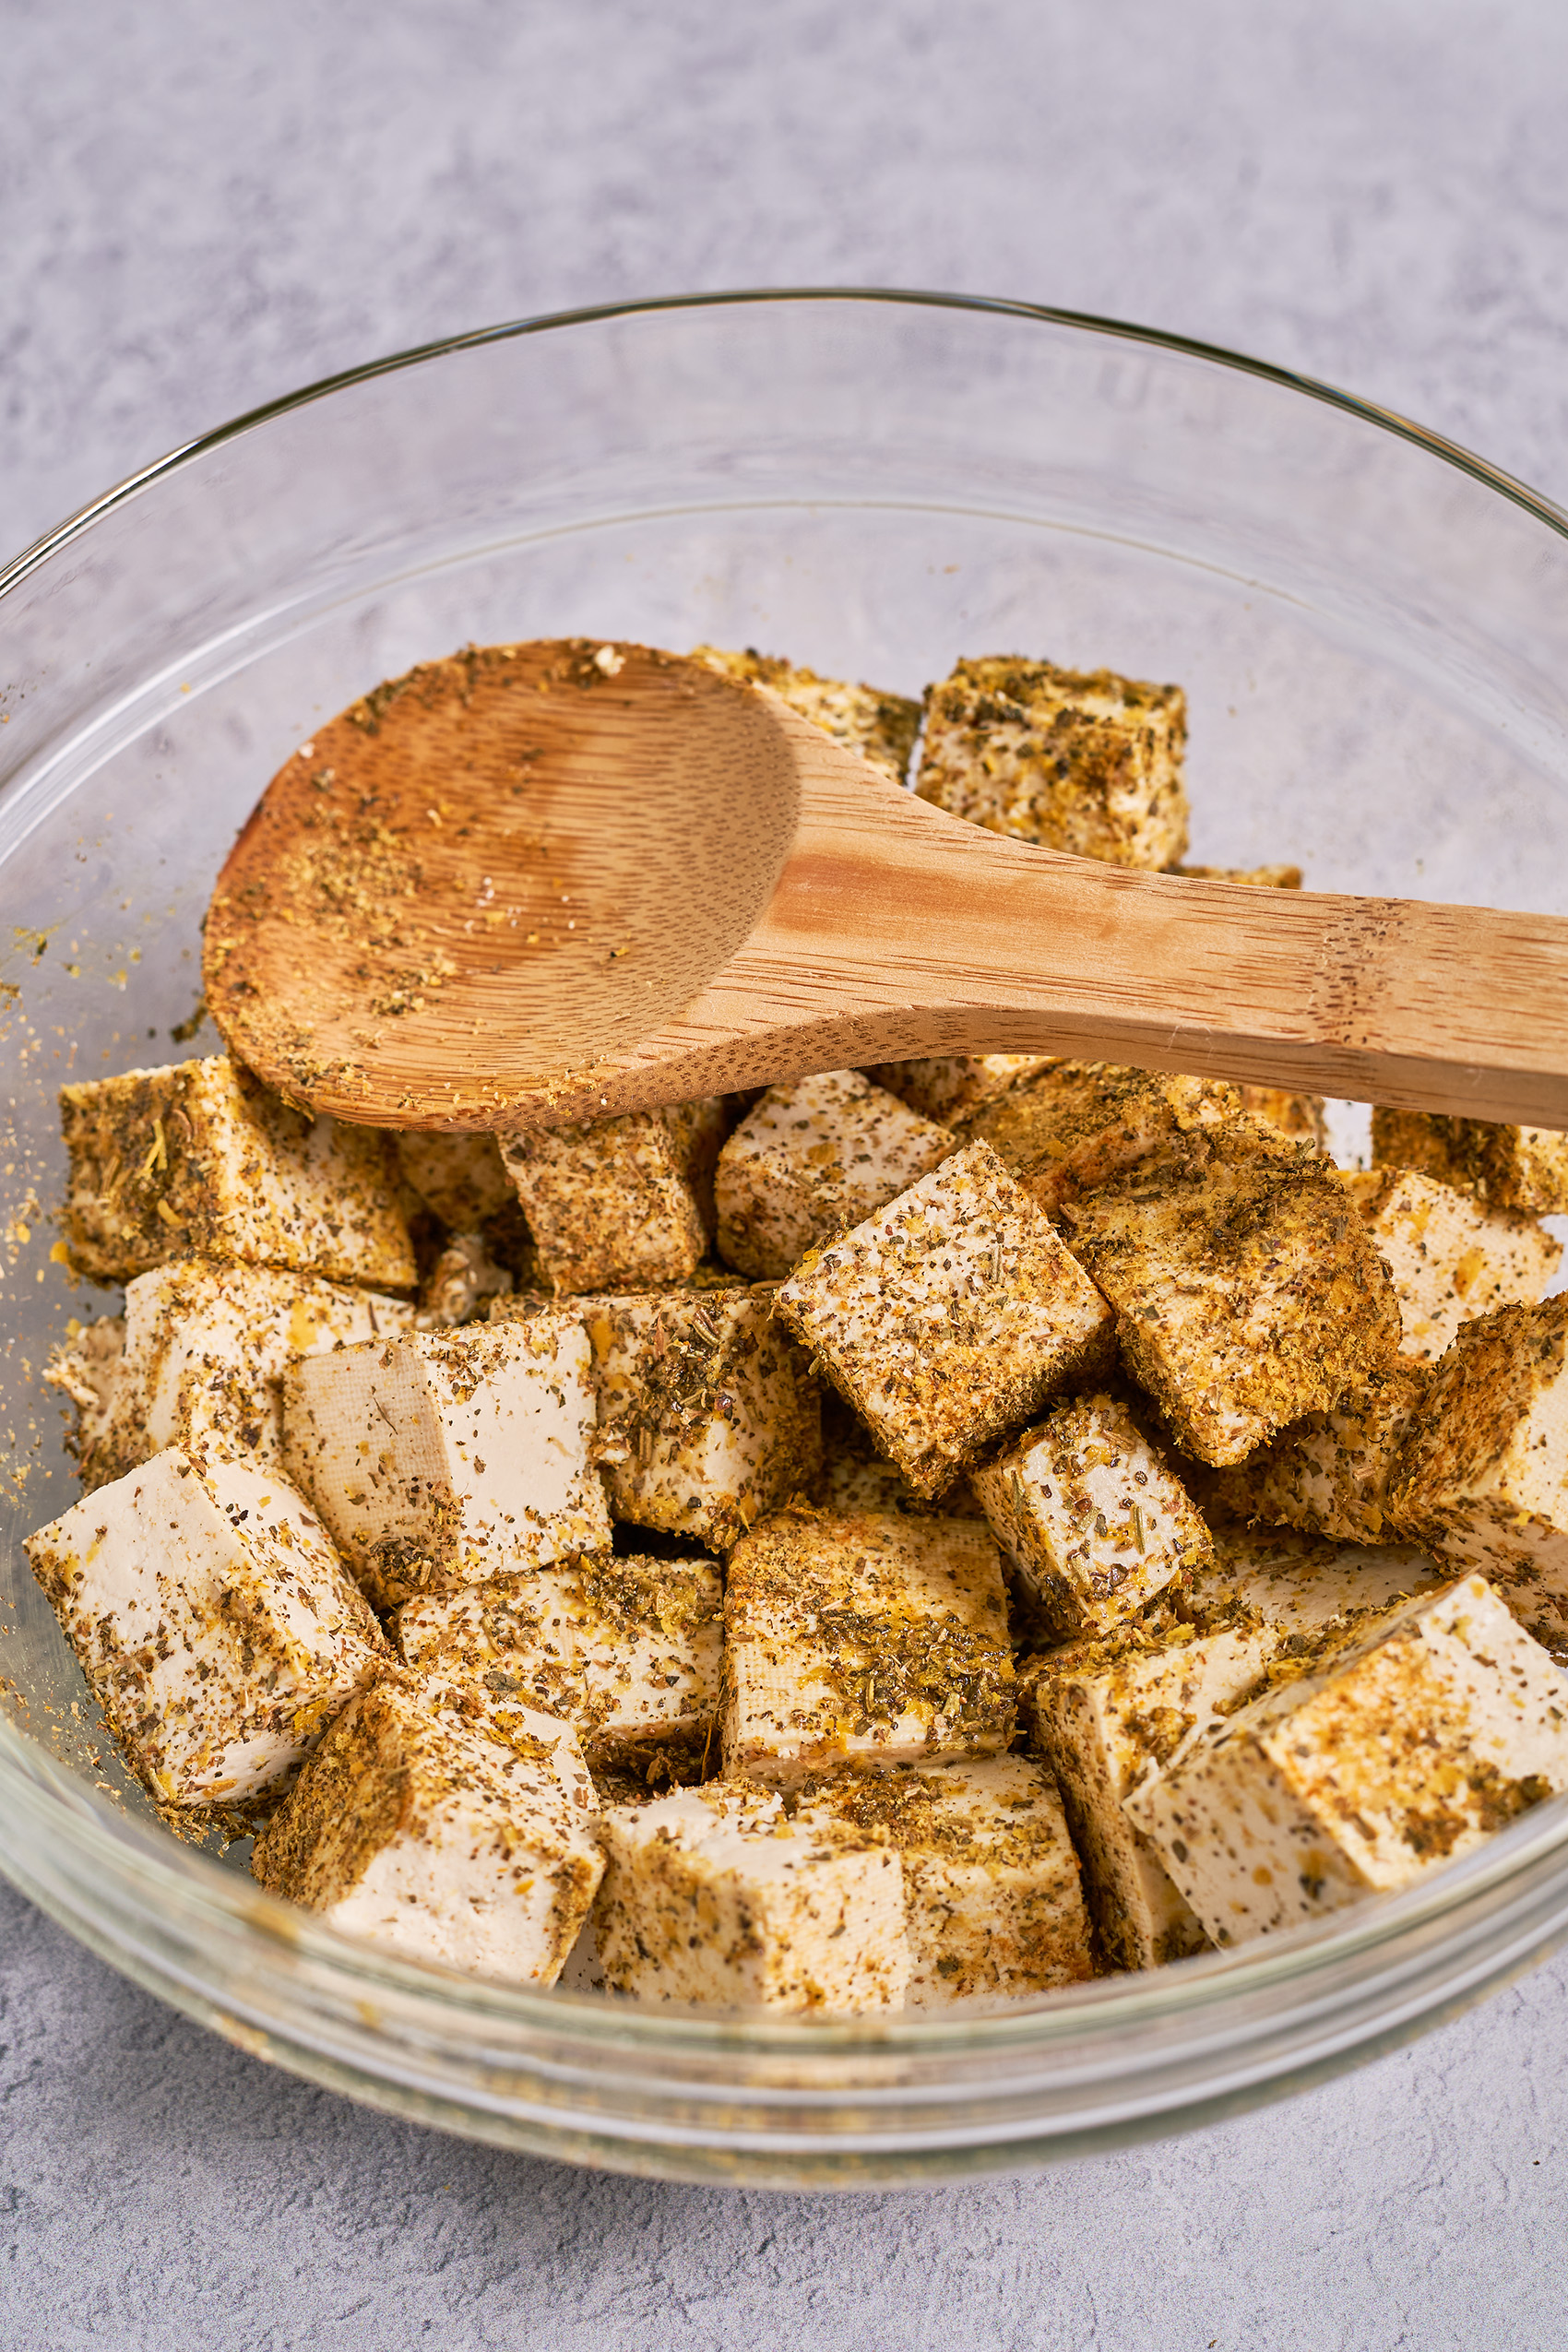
(545, 882)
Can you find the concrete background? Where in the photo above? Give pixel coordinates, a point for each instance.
(200, 207)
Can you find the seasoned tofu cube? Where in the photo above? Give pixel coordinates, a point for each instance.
(1522, 1168)
(1079, 1124)
(445, 1458)
(201, 1363)
(416, 1835)
(698, 1130)
(213, 1619)
(1301, 1116)
(460, 1178)
(993, 1901)
(813, 1155)
(1245, 1289)
(856, 1477)
(625, 1650)
(202, 1160)
(713, 1894)
(878, 728)
(955, 1085)
(1450, 1257)
(1393, 1755)
(876, 1640)
(1328, 1473)
(708, 1415)
(461, 1285)
(951, 1317)
(1078, 760)
(1108, 1717)
(609, 1204)
(85, 1366)
(1094, 1519)
(1481, 1476)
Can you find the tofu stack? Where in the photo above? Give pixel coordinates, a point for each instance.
(926, 1533)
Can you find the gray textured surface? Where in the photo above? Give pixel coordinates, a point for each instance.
(202, 207)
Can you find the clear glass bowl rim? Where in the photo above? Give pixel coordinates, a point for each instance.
(166, 1883)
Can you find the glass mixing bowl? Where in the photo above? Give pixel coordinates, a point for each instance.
(1373, 631)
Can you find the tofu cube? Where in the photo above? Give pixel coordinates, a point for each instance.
(1328, 1473)
(994, 1908)
(856, 1477)
(698, 1131)
(1245, 1289)
(442, 1458)
(951, 1317)
(713, 1894)
(1079, 760)
(419, 1836)
(85, 1366)
(202, 1360)
(1110, 1717)
(609, 1204)
(877, 1640)
(627, 1650)
(460, 1178)
(708, 1415)
(878, 728)
(1096, 1520)
(1481, 1476)
(213, 1619)
(1079, 1124)
(1450, 1257)
(955, 1085)
(1522, 1168)
(1303, 1117)
(202, 1160)
(1396, 1754)
(814, 1155)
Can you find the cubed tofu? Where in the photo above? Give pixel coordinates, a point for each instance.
(698, 1130)
(445, 1457)
(204, 1349)
(627, 1650)
(460, 1178)
(813, 1155)
(955, 1085)
(708, 1415)
(713, 1894)
(85, 1366)
(1450, 1257)
(874, 1640)
(1245, 1289)
(878, 728)
(609, 1205)
(1301, 1116)
(1094, 1517)
(1079, 1124)
(951, 1317)
(439, 1845)
(1522, 1168)
(1110, 1717)
(213, 1617)
(1481, 1476)
(461, 1285)
(994, 1906)
(855, 1475)
(1328, 1473)
(1399, 1753)
(1079, 760)
(202, 1160)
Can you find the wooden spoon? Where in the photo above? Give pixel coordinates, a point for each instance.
(548, 882)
